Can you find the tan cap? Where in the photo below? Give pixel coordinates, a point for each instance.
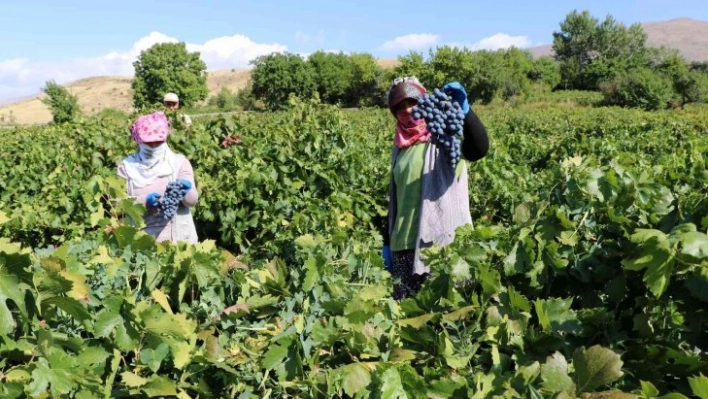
(172, 97)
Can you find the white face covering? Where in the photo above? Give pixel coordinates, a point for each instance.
(150, 154)
(148, 164)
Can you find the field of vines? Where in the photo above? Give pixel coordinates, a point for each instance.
(585, 273)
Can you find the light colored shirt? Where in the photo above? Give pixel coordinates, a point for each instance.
(155, 224)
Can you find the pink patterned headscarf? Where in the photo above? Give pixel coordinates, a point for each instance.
(150, 128)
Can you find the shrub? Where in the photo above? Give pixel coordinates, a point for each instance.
(63, 105)
(642, 88)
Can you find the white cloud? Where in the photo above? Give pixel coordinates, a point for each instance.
(233, 51)
(411, 41)
(23, 77)
(497, 42)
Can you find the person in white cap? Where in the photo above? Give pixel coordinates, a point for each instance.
(171, 101)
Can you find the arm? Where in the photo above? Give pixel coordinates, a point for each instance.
(187, 173)
(475, 144)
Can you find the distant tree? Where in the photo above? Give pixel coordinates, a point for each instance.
(689, 85)
(414, 64)
(169, 67)
(246, 100)
(642, 88)
(278, 75)
(546, 71)
(225, 100)
(368, 82)
(485, 74)
(700, 66)
(333, 73)
(63, 105)
(591, 52)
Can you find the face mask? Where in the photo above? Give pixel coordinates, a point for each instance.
(148, 153)
(407, 119)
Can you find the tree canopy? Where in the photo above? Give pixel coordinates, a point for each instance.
(169, 67)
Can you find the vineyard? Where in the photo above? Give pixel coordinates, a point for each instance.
(585, 273)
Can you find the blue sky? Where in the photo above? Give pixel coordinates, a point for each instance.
(69, 39)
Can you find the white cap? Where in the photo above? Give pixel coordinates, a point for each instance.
(172, 97)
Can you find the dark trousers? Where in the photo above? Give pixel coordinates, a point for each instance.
(406, 283)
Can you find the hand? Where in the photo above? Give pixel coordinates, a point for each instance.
(388, 261)
(185, 183)
(459, 94)
(151, 199)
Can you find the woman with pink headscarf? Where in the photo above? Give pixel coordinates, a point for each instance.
(147, 173)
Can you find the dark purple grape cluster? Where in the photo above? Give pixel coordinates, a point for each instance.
(174, 193)
(444, 119)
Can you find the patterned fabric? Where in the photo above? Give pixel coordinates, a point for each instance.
(409, 130)
(151, 128)
(445, 203)
(406, 284)
(403, 88)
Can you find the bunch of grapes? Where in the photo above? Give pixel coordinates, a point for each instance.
(231, 140)
(174, 193)
(445, 119)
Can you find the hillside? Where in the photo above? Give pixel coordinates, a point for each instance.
(101, 92)
(688, 36)
(97, 93)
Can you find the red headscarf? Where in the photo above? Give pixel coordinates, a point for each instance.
(408, 130)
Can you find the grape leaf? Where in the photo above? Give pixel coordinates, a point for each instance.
(132, 380)
(3, 218)
(161, 299)
(106, 321)
(695, 245)
(554, 374)
(9, 289)
(70, 306)
(595, 367)
(159, 386)
(58, 380)
(555, 315)
(391, 386)
(699, 386)
(277, 353)
(355, 377)
(655, 255)
(154, 357)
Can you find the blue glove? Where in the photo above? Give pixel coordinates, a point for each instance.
(388, 261)
(151, 199)
(459, 94)
(185, 183)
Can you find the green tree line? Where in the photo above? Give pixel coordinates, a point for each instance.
(589, 54)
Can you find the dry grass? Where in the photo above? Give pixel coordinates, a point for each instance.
(94, 94)
(97, 93)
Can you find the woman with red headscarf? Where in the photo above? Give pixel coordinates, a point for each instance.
(428, 198)
(147, 173)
